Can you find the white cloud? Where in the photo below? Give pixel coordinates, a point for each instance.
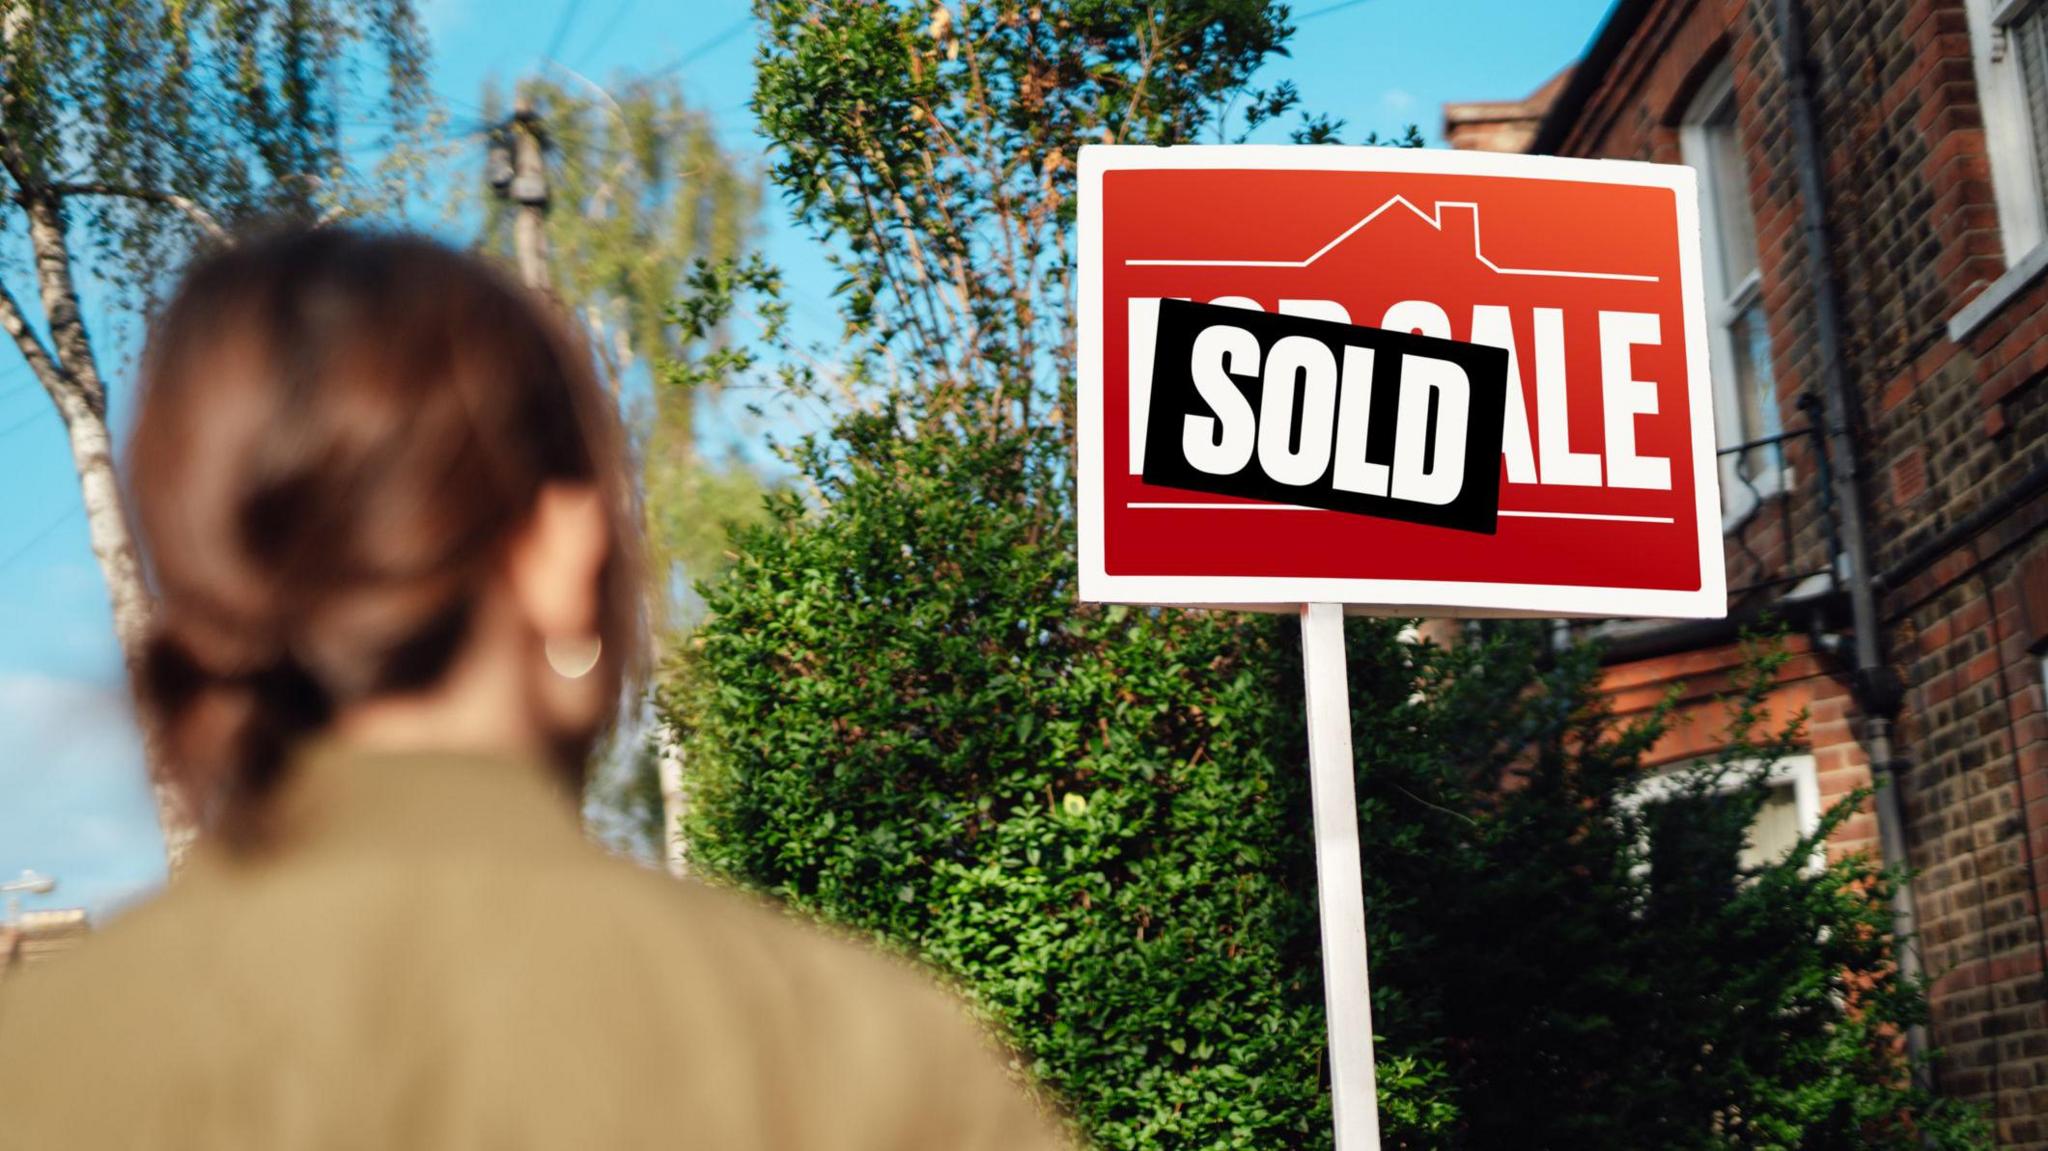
(74, 801)
(1397, 100)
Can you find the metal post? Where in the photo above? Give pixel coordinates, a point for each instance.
(1340, 878)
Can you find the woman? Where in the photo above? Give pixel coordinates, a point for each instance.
(384, 504)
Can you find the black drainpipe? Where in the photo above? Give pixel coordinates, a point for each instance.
(1876, 688)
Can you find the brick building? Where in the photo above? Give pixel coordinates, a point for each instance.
(36, 936)
(1501, 125)
(1874, 186)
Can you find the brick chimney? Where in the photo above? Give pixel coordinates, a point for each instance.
(1501, 125)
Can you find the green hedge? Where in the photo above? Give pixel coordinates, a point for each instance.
(1091, 819)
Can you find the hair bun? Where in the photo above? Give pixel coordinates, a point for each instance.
(229, 730)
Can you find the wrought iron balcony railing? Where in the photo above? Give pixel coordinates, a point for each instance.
(1779, 527)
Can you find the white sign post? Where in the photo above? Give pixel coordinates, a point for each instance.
(1411, 382)
(1340, 878)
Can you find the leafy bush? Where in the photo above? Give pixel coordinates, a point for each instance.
(1601, 966)
(1092, 819)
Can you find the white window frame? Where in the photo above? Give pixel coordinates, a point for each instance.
(2016, 191)
(1797, 771)
(2007, 134)
(1725, 303)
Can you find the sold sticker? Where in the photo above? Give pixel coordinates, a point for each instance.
(1326, 415)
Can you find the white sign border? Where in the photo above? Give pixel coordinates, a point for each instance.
(1379, 596)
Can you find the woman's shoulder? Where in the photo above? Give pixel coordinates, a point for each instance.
(682, 1002)
(742, 942)
(96, 1042)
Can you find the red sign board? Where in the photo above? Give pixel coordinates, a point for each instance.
(1587, 273)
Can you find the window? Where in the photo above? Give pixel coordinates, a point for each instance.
(2027, 35)
(1739, 331)
(1778, 827)
(1790, 812)
(2009, 51)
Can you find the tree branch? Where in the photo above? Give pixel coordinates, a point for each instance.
(69, 338)
(184, 204)
(15, 323)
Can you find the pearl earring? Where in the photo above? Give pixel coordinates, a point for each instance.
(574, 657)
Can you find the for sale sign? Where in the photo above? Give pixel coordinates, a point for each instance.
(1414, 380)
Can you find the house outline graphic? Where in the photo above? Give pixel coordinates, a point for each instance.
(1434, 220)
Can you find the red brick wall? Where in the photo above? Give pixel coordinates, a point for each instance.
(1943, 428)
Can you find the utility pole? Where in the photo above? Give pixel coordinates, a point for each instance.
(519, 173)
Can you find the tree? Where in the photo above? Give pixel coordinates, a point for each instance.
(134, 131)
(643, 190)
(937, 150)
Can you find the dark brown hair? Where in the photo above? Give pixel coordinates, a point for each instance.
(339, 432)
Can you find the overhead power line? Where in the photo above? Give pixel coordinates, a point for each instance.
(568, 18)
(28, 544)
(1329, 10)
(741, 25)
(701, 50)
(25, 421)
(604, 34)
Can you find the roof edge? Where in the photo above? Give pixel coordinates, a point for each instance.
(1622, 21)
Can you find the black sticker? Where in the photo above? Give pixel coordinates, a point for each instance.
(1361, 420)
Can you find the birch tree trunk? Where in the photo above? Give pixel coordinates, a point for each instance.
(171, 117)
(674, 801)
(69, 371)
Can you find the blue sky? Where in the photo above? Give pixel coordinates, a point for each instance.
(72, 800)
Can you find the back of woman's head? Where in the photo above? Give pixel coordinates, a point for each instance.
(340, 436)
